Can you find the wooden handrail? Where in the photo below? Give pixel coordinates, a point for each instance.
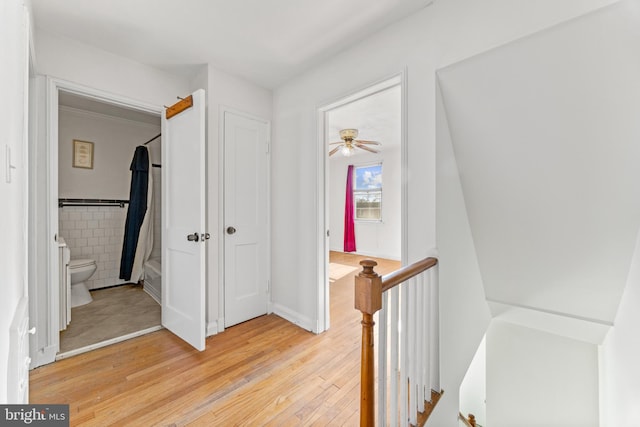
(405, 273)
(369, 287)
(469, 422)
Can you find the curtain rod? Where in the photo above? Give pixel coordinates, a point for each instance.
(152, 139)
(91, 202)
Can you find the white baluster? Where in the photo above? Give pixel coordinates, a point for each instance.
(404, 354)
(434, 322)
(383, 345)
(413, 340)
(394, 361)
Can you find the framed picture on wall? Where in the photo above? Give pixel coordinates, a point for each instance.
(82, 154)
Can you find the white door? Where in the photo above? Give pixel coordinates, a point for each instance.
(246, 218)
(183, 222)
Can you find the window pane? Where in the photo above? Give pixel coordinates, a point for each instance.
(368, 177)
(367, 192)
(367, 204)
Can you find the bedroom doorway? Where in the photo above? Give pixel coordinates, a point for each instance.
(362, 136)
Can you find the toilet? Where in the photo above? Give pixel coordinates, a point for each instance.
(80, 271)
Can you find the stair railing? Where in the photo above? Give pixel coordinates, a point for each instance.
(406, 302)
(470, 421)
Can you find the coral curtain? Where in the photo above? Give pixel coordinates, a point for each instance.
(137, 237)
(349, 225)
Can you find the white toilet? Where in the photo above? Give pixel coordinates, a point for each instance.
(80, 271)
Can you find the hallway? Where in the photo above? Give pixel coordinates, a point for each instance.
(266, 371)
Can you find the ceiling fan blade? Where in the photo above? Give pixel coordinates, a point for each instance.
(332, 143)
(364, 141)
(364, 147)
(332, 152)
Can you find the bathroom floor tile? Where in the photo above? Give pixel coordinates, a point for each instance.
(114, 312)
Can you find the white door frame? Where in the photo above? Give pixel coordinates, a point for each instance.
(221, 191)
(322, 223)
(49, 209)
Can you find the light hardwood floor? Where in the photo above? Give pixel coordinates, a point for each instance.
(266, 371)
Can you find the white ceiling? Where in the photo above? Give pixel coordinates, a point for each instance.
(87, 104)
(266, 42)
(377, 118)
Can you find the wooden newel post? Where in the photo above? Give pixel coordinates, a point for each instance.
(368, 299)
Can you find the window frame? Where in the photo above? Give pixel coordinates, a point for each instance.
(355, 191)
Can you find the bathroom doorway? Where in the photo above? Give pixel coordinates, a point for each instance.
(83, 104)
(93, 193)
(186, 209)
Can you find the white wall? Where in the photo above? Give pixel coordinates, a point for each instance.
(540, 141)
(97, 232)
(620, 353)
(440, 34)
(589, 127)
(13, 223)
(464, 314)
(422, 43)
(114, 142)
(225, 92)
(539, 379)
(82, 64)
(373, 238)
(473, 390)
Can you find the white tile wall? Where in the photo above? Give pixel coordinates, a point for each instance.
(95, 232)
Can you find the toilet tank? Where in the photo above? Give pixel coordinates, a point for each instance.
(64, 255)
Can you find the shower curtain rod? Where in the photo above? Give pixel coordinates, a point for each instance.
(155, 165)
(91, 202)
(153, 139)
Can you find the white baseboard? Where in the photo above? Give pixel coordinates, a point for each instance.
(153, 292)
(44, 356)
(293, 317)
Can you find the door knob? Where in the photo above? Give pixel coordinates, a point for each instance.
(193, 237)
(231, 230)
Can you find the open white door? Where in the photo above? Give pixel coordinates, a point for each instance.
(183, 220)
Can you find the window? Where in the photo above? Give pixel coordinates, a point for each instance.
(367, 192)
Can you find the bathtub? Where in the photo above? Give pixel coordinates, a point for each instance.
(153, 279)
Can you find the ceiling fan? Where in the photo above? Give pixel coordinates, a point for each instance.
(349, 143)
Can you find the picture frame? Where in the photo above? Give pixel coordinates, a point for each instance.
(82, 154)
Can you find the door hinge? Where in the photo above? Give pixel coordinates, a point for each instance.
(268, 147)
(268, 286)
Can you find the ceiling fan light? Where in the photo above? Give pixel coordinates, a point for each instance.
(347, 150)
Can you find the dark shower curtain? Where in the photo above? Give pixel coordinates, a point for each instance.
(137, 209)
